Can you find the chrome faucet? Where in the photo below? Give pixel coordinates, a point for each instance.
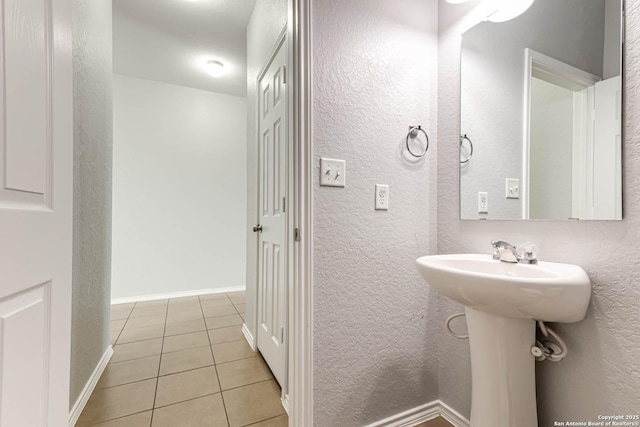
(505, 252)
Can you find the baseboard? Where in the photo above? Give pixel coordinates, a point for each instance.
(249, 337)
(176, 295)
(78, 407)
(452, 416)
(422, 413)
(285, 403)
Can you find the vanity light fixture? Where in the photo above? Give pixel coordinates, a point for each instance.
(214, 68)
(504, 10)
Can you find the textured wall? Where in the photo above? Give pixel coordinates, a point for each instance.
(92, 109)
(601, 375)
(493, 64)
(375, 343)
(179, 184)
(267, 22)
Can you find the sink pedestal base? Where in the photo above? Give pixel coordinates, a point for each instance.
(503, 392)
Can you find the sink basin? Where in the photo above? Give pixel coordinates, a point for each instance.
(546, 291)
(502, 303)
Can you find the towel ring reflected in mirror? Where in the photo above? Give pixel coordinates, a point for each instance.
(462, 139)
(413, 134)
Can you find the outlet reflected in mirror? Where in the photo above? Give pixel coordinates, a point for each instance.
(540, 121)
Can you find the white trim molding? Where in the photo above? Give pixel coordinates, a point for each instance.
(300, 330)
(82, 400)
(177, 295)
(247, 335)
(422, 413)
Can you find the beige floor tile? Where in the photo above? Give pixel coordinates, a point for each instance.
(183, 300)
(243, 372)
(223, 321)
(185, 360)
(140, 334)
(280, 421)
(119, 313)
(184, 316)
(184, 310)
(237, 300)
(202, 412)
(115, 330)
(237, 294)
(154, 303)
(187, 385)
(149, 311)
(184, 327)
(436, 422)
(223, 310)
(230, 333)
(142, 419)
(253, 403)
(144, 321)
(136, 350)
(219, 302)
(240, 308)
(213, 296)
(116, 402)
(230, 351)
(185, 341)
(126, 305)
(129, 371)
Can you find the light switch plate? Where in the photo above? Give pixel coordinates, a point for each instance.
(512, 188)
(382, 197)
(332, 172)
(483, 202)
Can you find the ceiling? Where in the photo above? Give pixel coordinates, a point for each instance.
(171, 40)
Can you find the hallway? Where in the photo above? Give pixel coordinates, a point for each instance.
(184, 362)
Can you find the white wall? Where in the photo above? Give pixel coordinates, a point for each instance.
(601, 374)
(375, 320)
(493, 70)
(179, 189)
(551, 151)
(92, 159)
(267, 22)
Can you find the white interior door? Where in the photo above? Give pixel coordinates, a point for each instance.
(36, 170)
(272, 253)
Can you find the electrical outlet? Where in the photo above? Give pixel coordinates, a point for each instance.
(513, 188)
(382, 197)
(483, 202)
(332, 172)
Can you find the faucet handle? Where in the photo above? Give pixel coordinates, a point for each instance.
(528, 253)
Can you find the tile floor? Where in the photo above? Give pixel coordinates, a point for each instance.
(437, 422)
(183, 362)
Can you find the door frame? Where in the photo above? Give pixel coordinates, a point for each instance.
(554, 71)
(297, 396)
(300, 307)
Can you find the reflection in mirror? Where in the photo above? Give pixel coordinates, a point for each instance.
(540, 120)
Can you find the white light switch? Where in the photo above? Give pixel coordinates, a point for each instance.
(332, 172)
(513, 188)
(382, 197)
(483, 202)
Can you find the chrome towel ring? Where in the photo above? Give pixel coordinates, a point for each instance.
(413, 134)
(462, 139)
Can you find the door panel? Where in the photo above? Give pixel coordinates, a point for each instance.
(36, 184)
(272, 256)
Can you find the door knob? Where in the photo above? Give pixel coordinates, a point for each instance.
(257, 229)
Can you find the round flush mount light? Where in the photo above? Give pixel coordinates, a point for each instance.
(215, 68)
(508, 9)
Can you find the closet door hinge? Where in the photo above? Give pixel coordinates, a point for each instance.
(284, 74)
(296, 235)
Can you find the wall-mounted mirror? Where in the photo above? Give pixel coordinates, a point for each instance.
(540, 120)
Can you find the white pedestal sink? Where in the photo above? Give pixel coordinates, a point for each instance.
(502, 303)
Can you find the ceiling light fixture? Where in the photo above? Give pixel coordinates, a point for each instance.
(504, 10)
(215, 68)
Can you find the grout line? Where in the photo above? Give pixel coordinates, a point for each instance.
(155, 394)
(99, 423)
(224, 405)
(266, 419)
